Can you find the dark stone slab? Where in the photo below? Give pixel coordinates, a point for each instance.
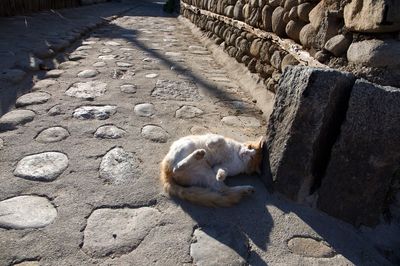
(301, 129)
(365, 156)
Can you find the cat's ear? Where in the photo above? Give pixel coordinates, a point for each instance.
(261, 142)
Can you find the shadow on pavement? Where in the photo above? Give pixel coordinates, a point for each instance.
(250, 217)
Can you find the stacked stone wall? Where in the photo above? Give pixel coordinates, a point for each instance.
(332, 134)
(358, 36)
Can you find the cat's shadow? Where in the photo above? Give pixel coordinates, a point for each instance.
(249, 221)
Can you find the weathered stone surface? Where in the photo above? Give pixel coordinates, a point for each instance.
(87, 90)
(307, 35)
(77, 55)
(303, 10)
(52, 134)
(84, 47)
(255, 17)
(376, 53)
(219, 245)
(67, 65)
(151, 75)
(229, 11)
(144, 109)
(55, 110)
(309, 247)
(24, 212)
(237, 11)
(278, 25)
(293, 13)
(337, 45)
(128, 88)
(288, 60)
(188, 111)
(363, 162)
(13, 119)
(317, 14)
(32, 98)
(173, 54)
(322, 56)
(328, 28)
(55, 73)
(99, 64)
(1, 144)
(155, 133)
(266, 18)
(45, 166)
(274, 3)
(12, 75)
(109, 132)
(307, 102)
(87, 73)
(293, 29)
(107, 57)
(118, 231)
(176, 90)
(255, 48)
(43, 84)
(372, 16)
(123, 64)
(118, 166)
(100, 112)
(288, 4)
(276, 60)
(112, 43)
(106, 50)
(241, 121)
(246, 11)
(28, 263)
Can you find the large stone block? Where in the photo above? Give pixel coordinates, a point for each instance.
(365, 156)
(302, 126)
(372, 15)
(375, 53)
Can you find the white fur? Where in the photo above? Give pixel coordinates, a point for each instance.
(206, 160)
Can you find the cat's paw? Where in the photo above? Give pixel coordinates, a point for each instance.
(199, 154)
(221, 175)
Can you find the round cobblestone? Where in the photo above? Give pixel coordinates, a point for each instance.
(24, 212)
(45, 166)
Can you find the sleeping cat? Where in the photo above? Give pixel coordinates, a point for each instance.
(196, 166)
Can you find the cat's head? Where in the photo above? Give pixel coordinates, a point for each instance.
(255, 155)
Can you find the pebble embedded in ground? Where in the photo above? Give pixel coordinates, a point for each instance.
(45, 166)
(24, 212)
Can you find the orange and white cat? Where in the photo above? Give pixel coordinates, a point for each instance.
(196, 166)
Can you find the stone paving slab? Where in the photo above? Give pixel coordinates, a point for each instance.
(109, 206)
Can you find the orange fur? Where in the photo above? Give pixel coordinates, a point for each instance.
(206, 196)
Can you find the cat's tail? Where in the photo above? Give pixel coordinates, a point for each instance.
(199, 195)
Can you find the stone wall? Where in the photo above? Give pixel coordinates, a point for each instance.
(333, 141)
(333, 134)
(358, 36)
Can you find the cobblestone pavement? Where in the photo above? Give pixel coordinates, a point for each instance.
(80, 153)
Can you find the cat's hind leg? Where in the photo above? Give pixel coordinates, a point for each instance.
(189, 160)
